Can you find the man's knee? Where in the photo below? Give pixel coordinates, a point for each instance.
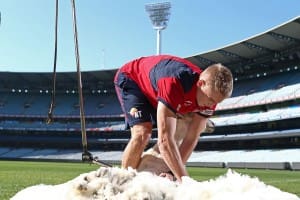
(141, 133)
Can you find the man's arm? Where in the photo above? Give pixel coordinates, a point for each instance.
(166, 126)
(190, 141)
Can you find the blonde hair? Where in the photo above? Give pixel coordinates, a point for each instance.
(220, 77)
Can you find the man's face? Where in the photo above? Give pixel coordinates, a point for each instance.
(206, 95)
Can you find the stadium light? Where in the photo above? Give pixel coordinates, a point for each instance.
(159, 15)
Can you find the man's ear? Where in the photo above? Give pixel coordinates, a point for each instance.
(200, 82)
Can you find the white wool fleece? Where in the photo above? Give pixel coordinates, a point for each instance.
(120, 184)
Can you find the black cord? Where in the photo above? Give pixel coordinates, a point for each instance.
(52, 104)
(86, 155)
(81, 107)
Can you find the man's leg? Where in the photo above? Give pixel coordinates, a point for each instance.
(138, 116)
(140, 135)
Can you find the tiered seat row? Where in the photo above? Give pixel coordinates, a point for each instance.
(286, 93)
(247, 118)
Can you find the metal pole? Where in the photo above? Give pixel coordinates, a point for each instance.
(158, 41)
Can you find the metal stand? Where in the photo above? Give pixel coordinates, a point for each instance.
(88, 157)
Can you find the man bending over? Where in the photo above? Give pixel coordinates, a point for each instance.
(162, 89)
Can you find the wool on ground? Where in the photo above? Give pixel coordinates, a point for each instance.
(120, 184)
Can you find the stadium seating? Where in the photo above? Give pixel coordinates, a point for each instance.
(285, 93)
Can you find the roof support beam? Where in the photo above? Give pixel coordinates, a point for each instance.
(229, 54)
(205, 60)
(283, 38)
(257, 47)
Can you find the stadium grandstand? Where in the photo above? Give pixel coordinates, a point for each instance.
(258, 127)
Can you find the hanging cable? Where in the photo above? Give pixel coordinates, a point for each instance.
(86, 155)
(52, 104)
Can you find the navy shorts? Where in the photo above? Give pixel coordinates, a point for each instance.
(134, 103)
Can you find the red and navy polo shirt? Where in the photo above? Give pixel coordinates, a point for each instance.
(170, 80)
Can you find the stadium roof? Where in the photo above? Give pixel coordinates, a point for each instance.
(266, 52)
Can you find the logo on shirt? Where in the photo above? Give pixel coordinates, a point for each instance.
(135, 113)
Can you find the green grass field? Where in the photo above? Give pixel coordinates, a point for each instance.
(16, 175)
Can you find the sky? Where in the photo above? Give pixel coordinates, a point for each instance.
(111, 33)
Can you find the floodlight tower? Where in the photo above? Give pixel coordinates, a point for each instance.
(159, 15)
